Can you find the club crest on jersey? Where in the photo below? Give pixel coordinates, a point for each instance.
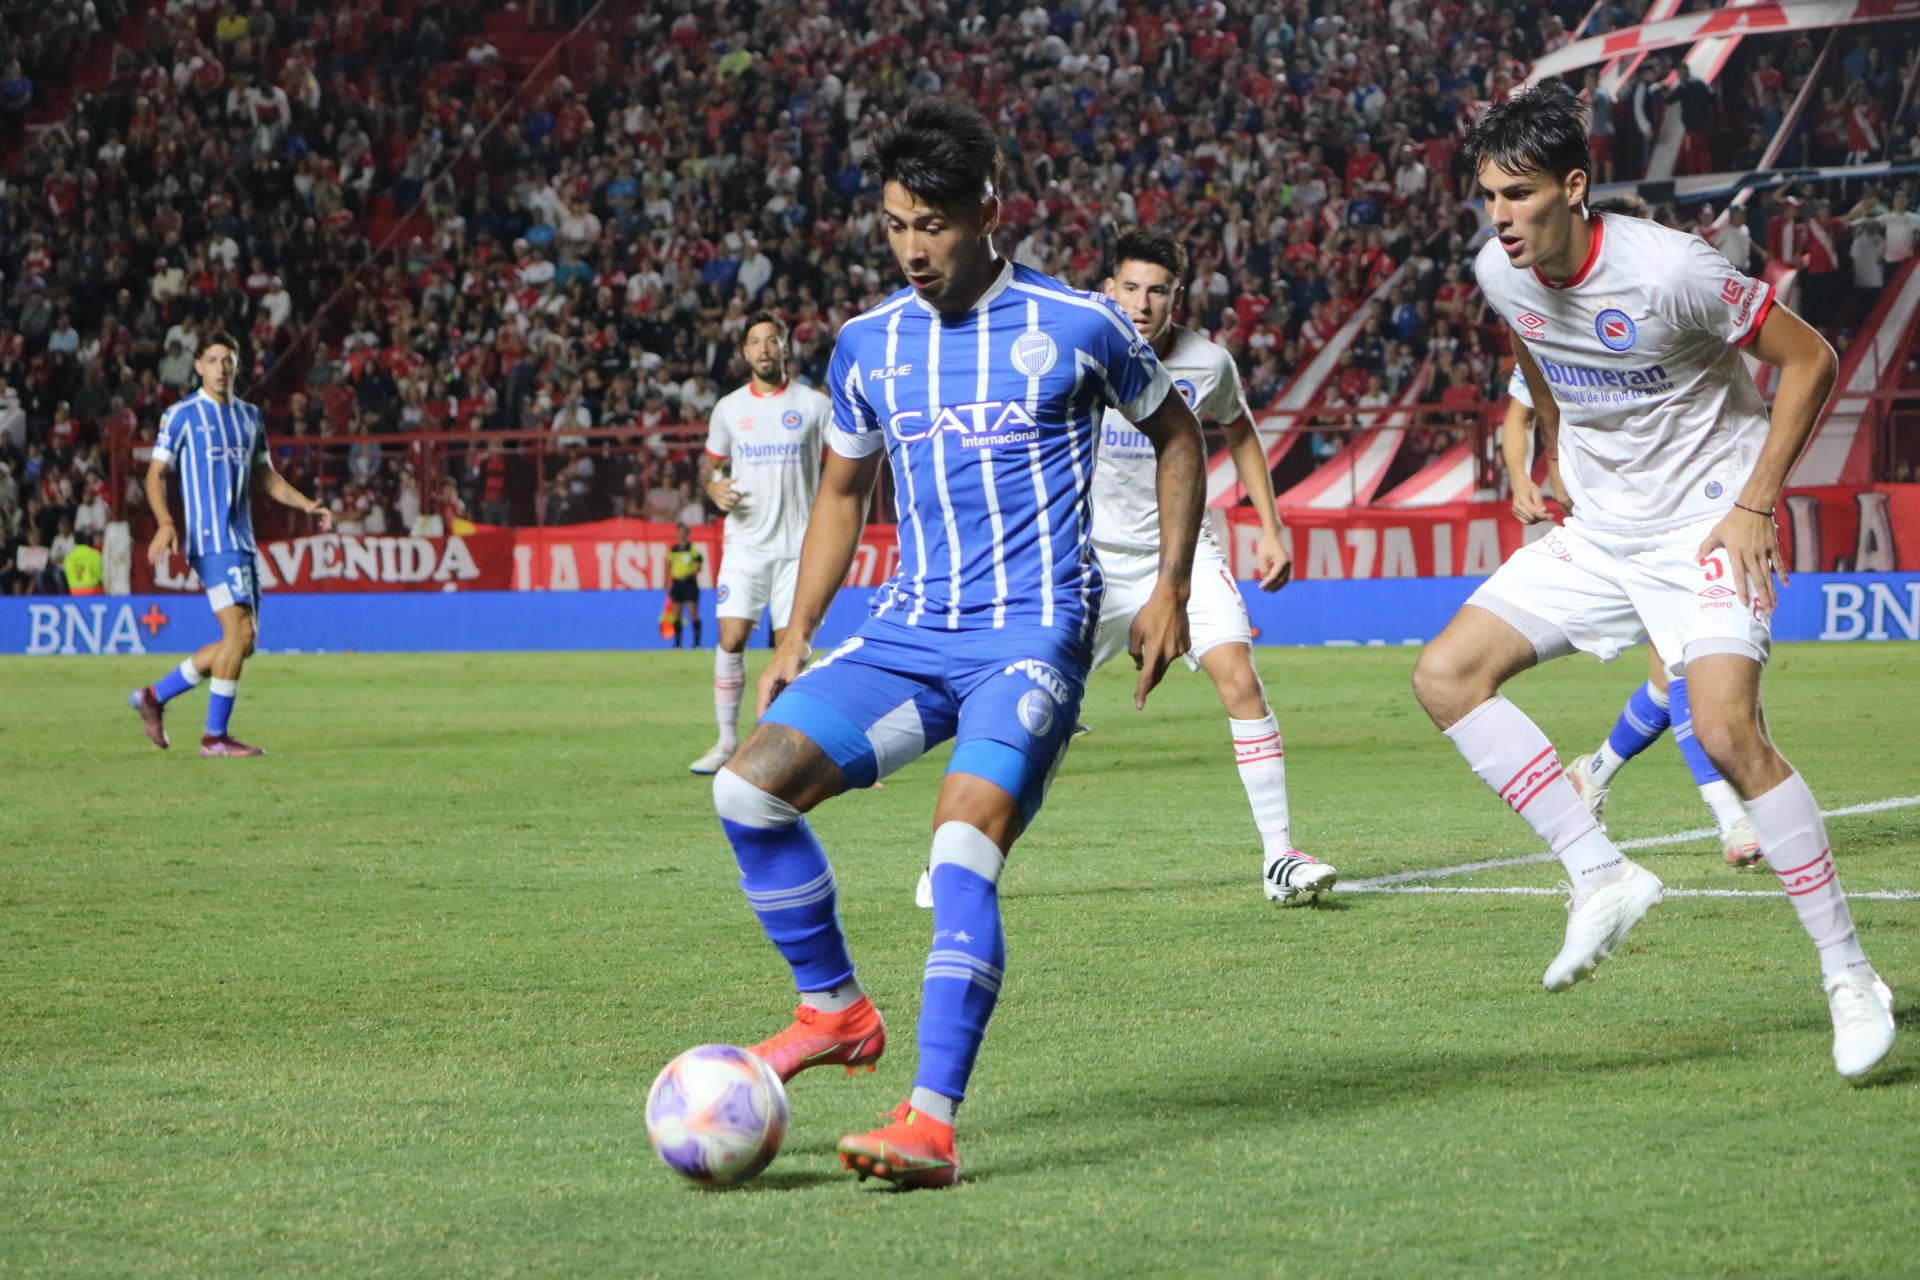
(1616, 330)
(721, 592)
(1713, 489)
(1533, 324)
(790, 419)
(1034, 353)
(1036, 712)
(1188, 392)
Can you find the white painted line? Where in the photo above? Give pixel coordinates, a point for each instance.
(1364, 886)
(1379, 883)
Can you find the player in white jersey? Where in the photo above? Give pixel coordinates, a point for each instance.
(1630, 335)
(1146, 282)
(1660, 702)
(219, 446)
(767, 435)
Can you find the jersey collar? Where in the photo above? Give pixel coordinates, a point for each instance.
(758, 394)
(1586, 267)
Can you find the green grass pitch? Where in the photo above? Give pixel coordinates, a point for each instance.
(387, 1002)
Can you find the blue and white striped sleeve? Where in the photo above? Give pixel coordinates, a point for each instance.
(261, 457)
(167, 446)
(1136, 381)
(854, 430)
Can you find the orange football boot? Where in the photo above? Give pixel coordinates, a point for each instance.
(914, 1151)
(853, 1038)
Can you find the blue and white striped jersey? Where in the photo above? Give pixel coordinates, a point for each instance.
(991, 420)
(215, 448)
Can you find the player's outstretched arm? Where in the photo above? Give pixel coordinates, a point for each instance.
(165, 537)
(1808, 368)
(1250, 464)
(1159, 634)
(833, 536)
(275, 486)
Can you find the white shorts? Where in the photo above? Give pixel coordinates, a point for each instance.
(1601, 592)
(749, 583)
(1216, 614)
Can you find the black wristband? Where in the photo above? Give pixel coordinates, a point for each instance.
(1755, 510)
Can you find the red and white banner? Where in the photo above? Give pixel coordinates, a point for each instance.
(478, 561)
(1836, 529)
(1759, 19)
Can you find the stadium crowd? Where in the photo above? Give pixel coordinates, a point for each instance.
(591, 243)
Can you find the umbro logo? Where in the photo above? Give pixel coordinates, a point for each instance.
(891, 371)
(1533, 324)
(1719, 591)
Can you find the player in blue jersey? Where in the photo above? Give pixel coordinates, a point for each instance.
(219, 447)
(984, 384)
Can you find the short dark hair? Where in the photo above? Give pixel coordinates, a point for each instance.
(1138, 245)
(941, 149)
(1542, 129)
(221, 338)
(1626, 205)
(766, 317)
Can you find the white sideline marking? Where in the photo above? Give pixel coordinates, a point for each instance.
(1879, 895)
(1383, 884)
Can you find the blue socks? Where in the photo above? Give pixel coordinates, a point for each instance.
(220, 696)
(1642, 721)
(962, 981)
(785, 875)
(176, 682)
(1696, 756)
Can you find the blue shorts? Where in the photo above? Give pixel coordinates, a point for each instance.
(890, 693)
(230, 578)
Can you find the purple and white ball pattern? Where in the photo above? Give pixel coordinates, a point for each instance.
(717, 1115)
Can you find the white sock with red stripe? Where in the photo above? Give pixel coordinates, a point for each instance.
(1513, 757)
(1786, 822)
(729, 681)
(1263, 772)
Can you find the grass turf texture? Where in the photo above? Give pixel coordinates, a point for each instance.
(387, 1002)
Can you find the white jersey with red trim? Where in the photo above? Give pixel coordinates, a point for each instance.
(1660, 422)
(773, 443)
(1126, 497)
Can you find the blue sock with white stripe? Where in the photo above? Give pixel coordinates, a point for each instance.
(176, 682)
(1642, 721)
(784, 873)
(1690, 749)
(220, 696)
(965, 965)
(1716, 791)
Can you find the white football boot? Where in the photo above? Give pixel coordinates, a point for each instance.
(923, 892)
(1591, 795)
(1862, 1009)
(1595, 927)
(1741, 847)
(710, 763)
(1293, 879)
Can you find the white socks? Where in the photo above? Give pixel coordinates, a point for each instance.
(1511, 755)
(1263, 772)
(1725, 803)
(836, 1000)
(935, 1106)
(1786, 821)
(729, 681)
(1603, 764)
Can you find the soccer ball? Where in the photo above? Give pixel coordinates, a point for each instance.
(717, 1115)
